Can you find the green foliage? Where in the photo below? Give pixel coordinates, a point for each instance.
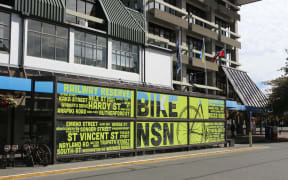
(278, 99)
(279, 96)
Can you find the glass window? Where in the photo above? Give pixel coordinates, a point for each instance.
(48, 47)
(134, 4)
(34, 25)
(125, 56)
(81, 6)
(89, 50)
(91, 38)
(71, 4)
(49, 29)
(62, 32)
(34, 45)
(80, 36)
(162, 32)
(89, 9)
(4, 32)
(61, 49)
(47, 41)
(101, 41)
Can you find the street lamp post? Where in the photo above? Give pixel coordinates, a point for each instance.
(250, 129)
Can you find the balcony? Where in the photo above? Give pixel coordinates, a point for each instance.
(213, 31)
(228, 10)
(230, 41)
(195, 62)
(228, 37)
(166, 12)
(203, 27)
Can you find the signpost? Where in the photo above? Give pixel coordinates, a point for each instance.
(250, 129)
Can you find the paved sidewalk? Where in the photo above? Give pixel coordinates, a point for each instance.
(114, 162)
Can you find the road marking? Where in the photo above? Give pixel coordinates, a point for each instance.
(78, 169)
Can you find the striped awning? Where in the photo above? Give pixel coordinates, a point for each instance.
(244, 2)
(138, 16)
(121, 22)
(245, 88)
(52, 10)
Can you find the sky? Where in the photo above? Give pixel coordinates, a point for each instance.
(264, 38)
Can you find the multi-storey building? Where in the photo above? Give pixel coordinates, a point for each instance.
(121, 42)
(105, 40)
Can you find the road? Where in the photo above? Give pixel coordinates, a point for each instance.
(265, 164)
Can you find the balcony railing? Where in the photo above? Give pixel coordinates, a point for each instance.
(230, 5)
(163, 6)
(186, 50)
(193, 19)
(228, 33)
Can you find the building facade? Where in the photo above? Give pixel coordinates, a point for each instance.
(128, 43)
(92, 39)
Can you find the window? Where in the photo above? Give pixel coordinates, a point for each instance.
(169, 10)
(90, 49)
(133, 4)
(223, 24)
(4, 32)
(47, 41)
(125, 56)
(81, 6)
(196, 44)
(162, 32)
(198, 12)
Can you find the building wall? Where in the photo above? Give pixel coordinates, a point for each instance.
(154, 59)
(158, 69)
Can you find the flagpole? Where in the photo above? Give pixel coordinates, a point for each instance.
(206, 80)
(180, 37)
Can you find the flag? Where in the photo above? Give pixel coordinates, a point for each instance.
(178, 54)
(202, 56)
(219, 54)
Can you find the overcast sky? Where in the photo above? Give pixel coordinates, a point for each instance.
(264, 37)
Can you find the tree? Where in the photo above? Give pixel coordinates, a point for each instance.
(278, 99)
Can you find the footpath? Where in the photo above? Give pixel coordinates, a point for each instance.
(37, 171)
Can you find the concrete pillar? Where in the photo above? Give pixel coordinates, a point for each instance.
(71, 46)
(212, 19)
(16, 40)
(236, 49)
(109, 58)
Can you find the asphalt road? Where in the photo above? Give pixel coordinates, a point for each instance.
(265, 164)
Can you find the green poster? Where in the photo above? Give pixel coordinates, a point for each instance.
(159, 134)
(80, 137)
(155, 105)
(82, 100)
(206, 109)
(206, 132)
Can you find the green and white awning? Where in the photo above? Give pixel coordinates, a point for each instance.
(52, 10)
(122, 23)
